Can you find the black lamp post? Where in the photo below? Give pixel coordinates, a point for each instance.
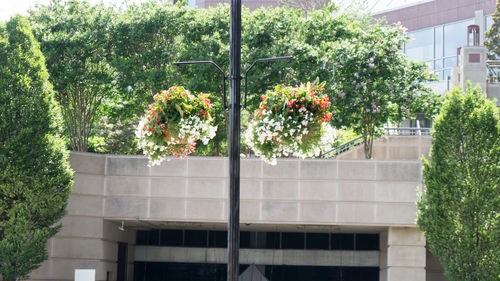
(234, 133)
(233, 237)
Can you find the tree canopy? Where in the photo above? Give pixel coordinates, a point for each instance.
(493, 35)
(108, 64)
(460, 210)
(374, 82)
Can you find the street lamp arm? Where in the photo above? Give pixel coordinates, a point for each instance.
(224, 77)
(254, 63)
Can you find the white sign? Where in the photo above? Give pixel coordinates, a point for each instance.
(84, 274)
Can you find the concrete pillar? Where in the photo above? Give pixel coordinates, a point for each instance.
(405, 254)
(473, 66)
(383, 256)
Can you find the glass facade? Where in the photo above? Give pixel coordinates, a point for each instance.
(260, 240)
(488, 22)
(437, 46)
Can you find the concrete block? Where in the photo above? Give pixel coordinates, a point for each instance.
(251, 168)
(277, 211)
(406, 274)
(78, 248)
(167, 209)
(356, 169)
(382, 274)
(321, 212)
(282, 190)
(284, 169)
(168, 187)
(396, 192)
(383, 250)
(88, 184)
(250, 210)
(250, 189)
(379, 152)
(396, 213)
(408, 141)
(110, 250)
(355, 212)
(125, 207)
(87, 163)
(318, 190)
(172, 168)
(359, 258)
(127, 166)
(406, 256)
(127, 186)
(403, 153)
(77, 226)
(356, 191)
(83, 205)
(64, 269)
(405, 236)
(206, 209)
(207, 167)
(399, 171)
(318, 169)
(206, 188)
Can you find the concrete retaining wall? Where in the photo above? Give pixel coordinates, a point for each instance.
(305, 195)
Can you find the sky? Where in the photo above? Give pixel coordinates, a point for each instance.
(11, 7)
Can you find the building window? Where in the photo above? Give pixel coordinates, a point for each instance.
(488, 22)
(342, 241)
(437, 46)
(421, 45)
(455, 36)
(292, 240)
(171, 237)
(367, 242)
(259, 240)
(317, 241)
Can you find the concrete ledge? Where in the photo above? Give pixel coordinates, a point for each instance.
(352, 192)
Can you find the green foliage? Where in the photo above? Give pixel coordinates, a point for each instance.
(137, 46)
(493, 35)
(75, 39)
(460, 210)
(35, 178)
(373, 81)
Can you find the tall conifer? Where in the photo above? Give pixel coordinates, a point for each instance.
(35, 177)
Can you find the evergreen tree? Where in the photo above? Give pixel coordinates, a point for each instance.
(35, 177)
(493, 35)
(460, 211)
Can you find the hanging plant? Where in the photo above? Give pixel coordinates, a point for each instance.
(291, 121)
(174, 123)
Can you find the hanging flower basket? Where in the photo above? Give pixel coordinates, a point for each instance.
(173, 124)
(291, 121)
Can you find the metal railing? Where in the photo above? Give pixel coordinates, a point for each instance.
(408, 131)
(390, 131)
(493, 67)
(342, 148)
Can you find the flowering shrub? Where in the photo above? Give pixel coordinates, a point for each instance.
(291, 121)
(173, 124)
